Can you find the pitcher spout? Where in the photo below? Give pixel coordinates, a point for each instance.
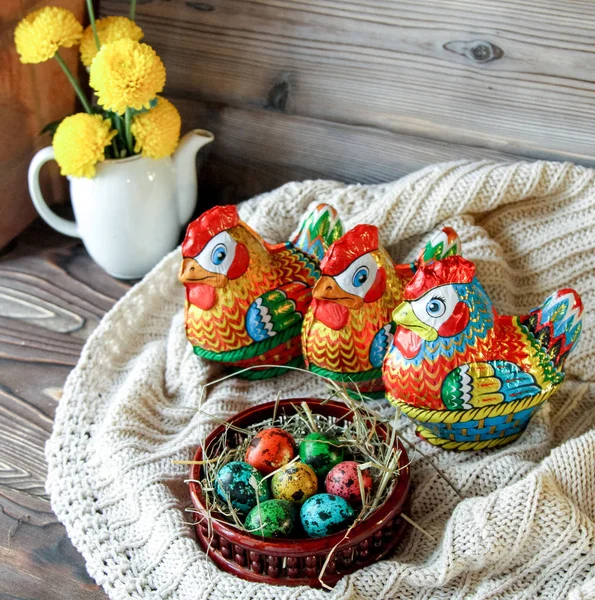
(184, 160)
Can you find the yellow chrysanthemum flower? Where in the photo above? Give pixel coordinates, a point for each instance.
(39, 35)
(109, 29)
(125, 74)
(79, 143)
(157, 131)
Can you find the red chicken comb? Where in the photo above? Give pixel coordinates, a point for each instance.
(209, 224)
(452, 269)
(355, 243)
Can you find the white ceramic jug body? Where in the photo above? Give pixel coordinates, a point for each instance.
(127, 215)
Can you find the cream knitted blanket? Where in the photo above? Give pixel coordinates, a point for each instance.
(525, 527)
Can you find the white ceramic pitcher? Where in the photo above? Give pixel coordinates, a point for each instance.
(130, 214)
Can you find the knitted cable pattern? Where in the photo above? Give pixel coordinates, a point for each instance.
(526, 524)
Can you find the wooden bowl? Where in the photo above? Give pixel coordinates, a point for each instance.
(299, 561)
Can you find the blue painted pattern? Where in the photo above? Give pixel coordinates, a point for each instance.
(487, 429)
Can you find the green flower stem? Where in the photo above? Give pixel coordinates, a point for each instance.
(74, 83)
(119, 126)
(132, 9)
(127, 123)
(115, 148)
(93, 25)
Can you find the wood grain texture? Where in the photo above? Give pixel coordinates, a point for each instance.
(260, 150)
(31, 96)
(387, 85)
(52, 296)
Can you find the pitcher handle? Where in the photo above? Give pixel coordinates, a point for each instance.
(64, 226)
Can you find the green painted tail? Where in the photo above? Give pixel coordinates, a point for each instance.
(317, 230)
(443, 243)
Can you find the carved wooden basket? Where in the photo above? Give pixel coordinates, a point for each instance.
(299, 561)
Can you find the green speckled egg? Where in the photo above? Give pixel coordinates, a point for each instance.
(318, 451)
(238, 482)
(295, 483)
(325, 514)
(273, 518)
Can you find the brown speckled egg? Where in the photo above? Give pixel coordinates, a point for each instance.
(295, 483)
(270, 449)
(342, 481)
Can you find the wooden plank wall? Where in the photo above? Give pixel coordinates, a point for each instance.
(31, 96)
(369, 91)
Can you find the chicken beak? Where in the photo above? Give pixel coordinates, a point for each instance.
(403, 315)
(328, 289)
(192, 272)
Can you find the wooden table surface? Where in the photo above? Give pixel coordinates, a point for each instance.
(52, 296)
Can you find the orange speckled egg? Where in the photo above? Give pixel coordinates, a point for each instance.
(270, 449)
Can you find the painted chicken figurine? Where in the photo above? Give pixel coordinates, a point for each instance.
(471, 376)
(246, 298)
(348, 328)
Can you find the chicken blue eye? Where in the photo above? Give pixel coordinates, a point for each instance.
(360, 277)
(219, 254)
(436, 307)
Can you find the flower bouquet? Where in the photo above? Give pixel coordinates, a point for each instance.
(125, 74)
(132, 180)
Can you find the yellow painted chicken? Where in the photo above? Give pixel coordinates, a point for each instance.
(246, 298)
(348, 327)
